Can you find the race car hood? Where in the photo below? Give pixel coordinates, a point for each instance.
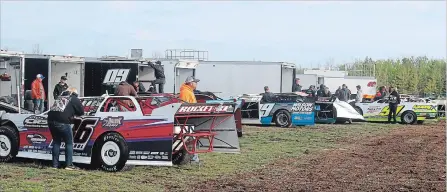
(345, 110)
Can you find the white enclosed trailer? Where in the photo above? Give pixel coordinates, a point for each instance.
(10, 64)
(232, 78)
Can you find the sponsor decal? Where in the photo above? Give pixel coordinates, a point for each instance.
(112, 123)
(205, 109)
(303, 107)
(373, 109)
(115, 76)
(83, 129)
(424, 107)
(35, 122)
(36, 138)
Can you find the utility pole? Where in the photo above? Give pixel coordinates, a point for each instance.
(36, 49)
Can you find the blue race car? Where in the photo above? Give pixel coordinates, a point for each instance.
(288, 109)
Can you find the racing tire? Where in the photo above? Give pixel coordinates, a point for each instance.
(409, 117)
(110, 153)
(283, 119)
(183, 157)
(9, 143)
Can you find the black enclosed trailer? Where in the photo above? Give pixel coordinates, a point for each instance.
(103, 74)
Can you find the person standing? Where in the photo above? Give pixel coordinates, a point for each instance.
(187, 95)
(267, 97)
(159, 75)
(323, 91)
(125, 89)
(394, 101)
(359, 96)
(38, 94)
(338, 92)
(60, 118)
(344, 93)
(312, 92)
(60, 87)
(296, 87)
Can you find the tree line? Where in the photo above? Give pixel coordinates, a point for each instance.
(411, 75)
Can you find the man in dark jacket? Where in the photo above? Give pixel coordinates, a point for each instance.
(267, 97)
(312, 92)
(60, 87)
(296, 87)
(394, 101)
(323, 91)
(159, 75)
(344, 93)
(60, 118)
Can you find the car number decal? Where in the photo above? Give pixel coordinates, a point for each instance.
(386, 110)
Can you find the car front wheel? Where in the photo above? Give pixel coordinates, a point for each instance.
(9, 143)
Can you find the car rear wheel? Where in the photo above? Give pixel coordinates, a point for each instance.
(111, 153)
(9, 143)
(409, 117)
(283, 119)
(182, 157)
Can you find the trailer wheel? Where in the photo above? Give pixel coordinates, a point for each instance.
(9, 143)
(111, 152)
(283, 119)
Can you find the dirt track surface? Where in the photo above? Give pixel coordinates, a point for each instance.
(411, 158)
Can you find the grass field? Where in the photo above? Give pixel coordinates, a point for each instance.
(259, 147)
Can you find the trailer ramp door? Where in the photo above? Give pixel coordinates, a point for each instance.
(184, 69)
(287, 79)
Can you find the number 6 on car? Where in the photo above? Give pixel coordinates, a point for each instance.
(136, 134)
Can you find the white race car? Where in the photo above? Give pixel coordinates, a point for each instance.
(407, 112)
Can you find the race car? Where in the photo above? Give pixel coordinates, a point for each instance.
(288, 109)
(332, 110)
(407, 112)
(120, 130)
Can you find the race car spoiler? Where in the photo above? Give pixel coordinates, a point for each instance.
(205, 108)
(214, 127)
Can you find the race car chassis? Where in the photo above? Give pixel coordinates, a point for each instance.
(190, 138)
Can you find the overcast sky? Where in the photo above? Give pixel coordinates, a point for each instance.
(306, 33)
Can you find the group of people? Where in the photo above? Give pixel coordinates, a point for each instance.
(67, 106)
(342, 93)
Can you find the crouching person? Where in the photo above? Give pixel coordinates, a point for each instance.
(60, 120)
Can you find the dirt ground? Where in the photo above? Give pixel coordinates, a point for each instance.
(411, 158)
